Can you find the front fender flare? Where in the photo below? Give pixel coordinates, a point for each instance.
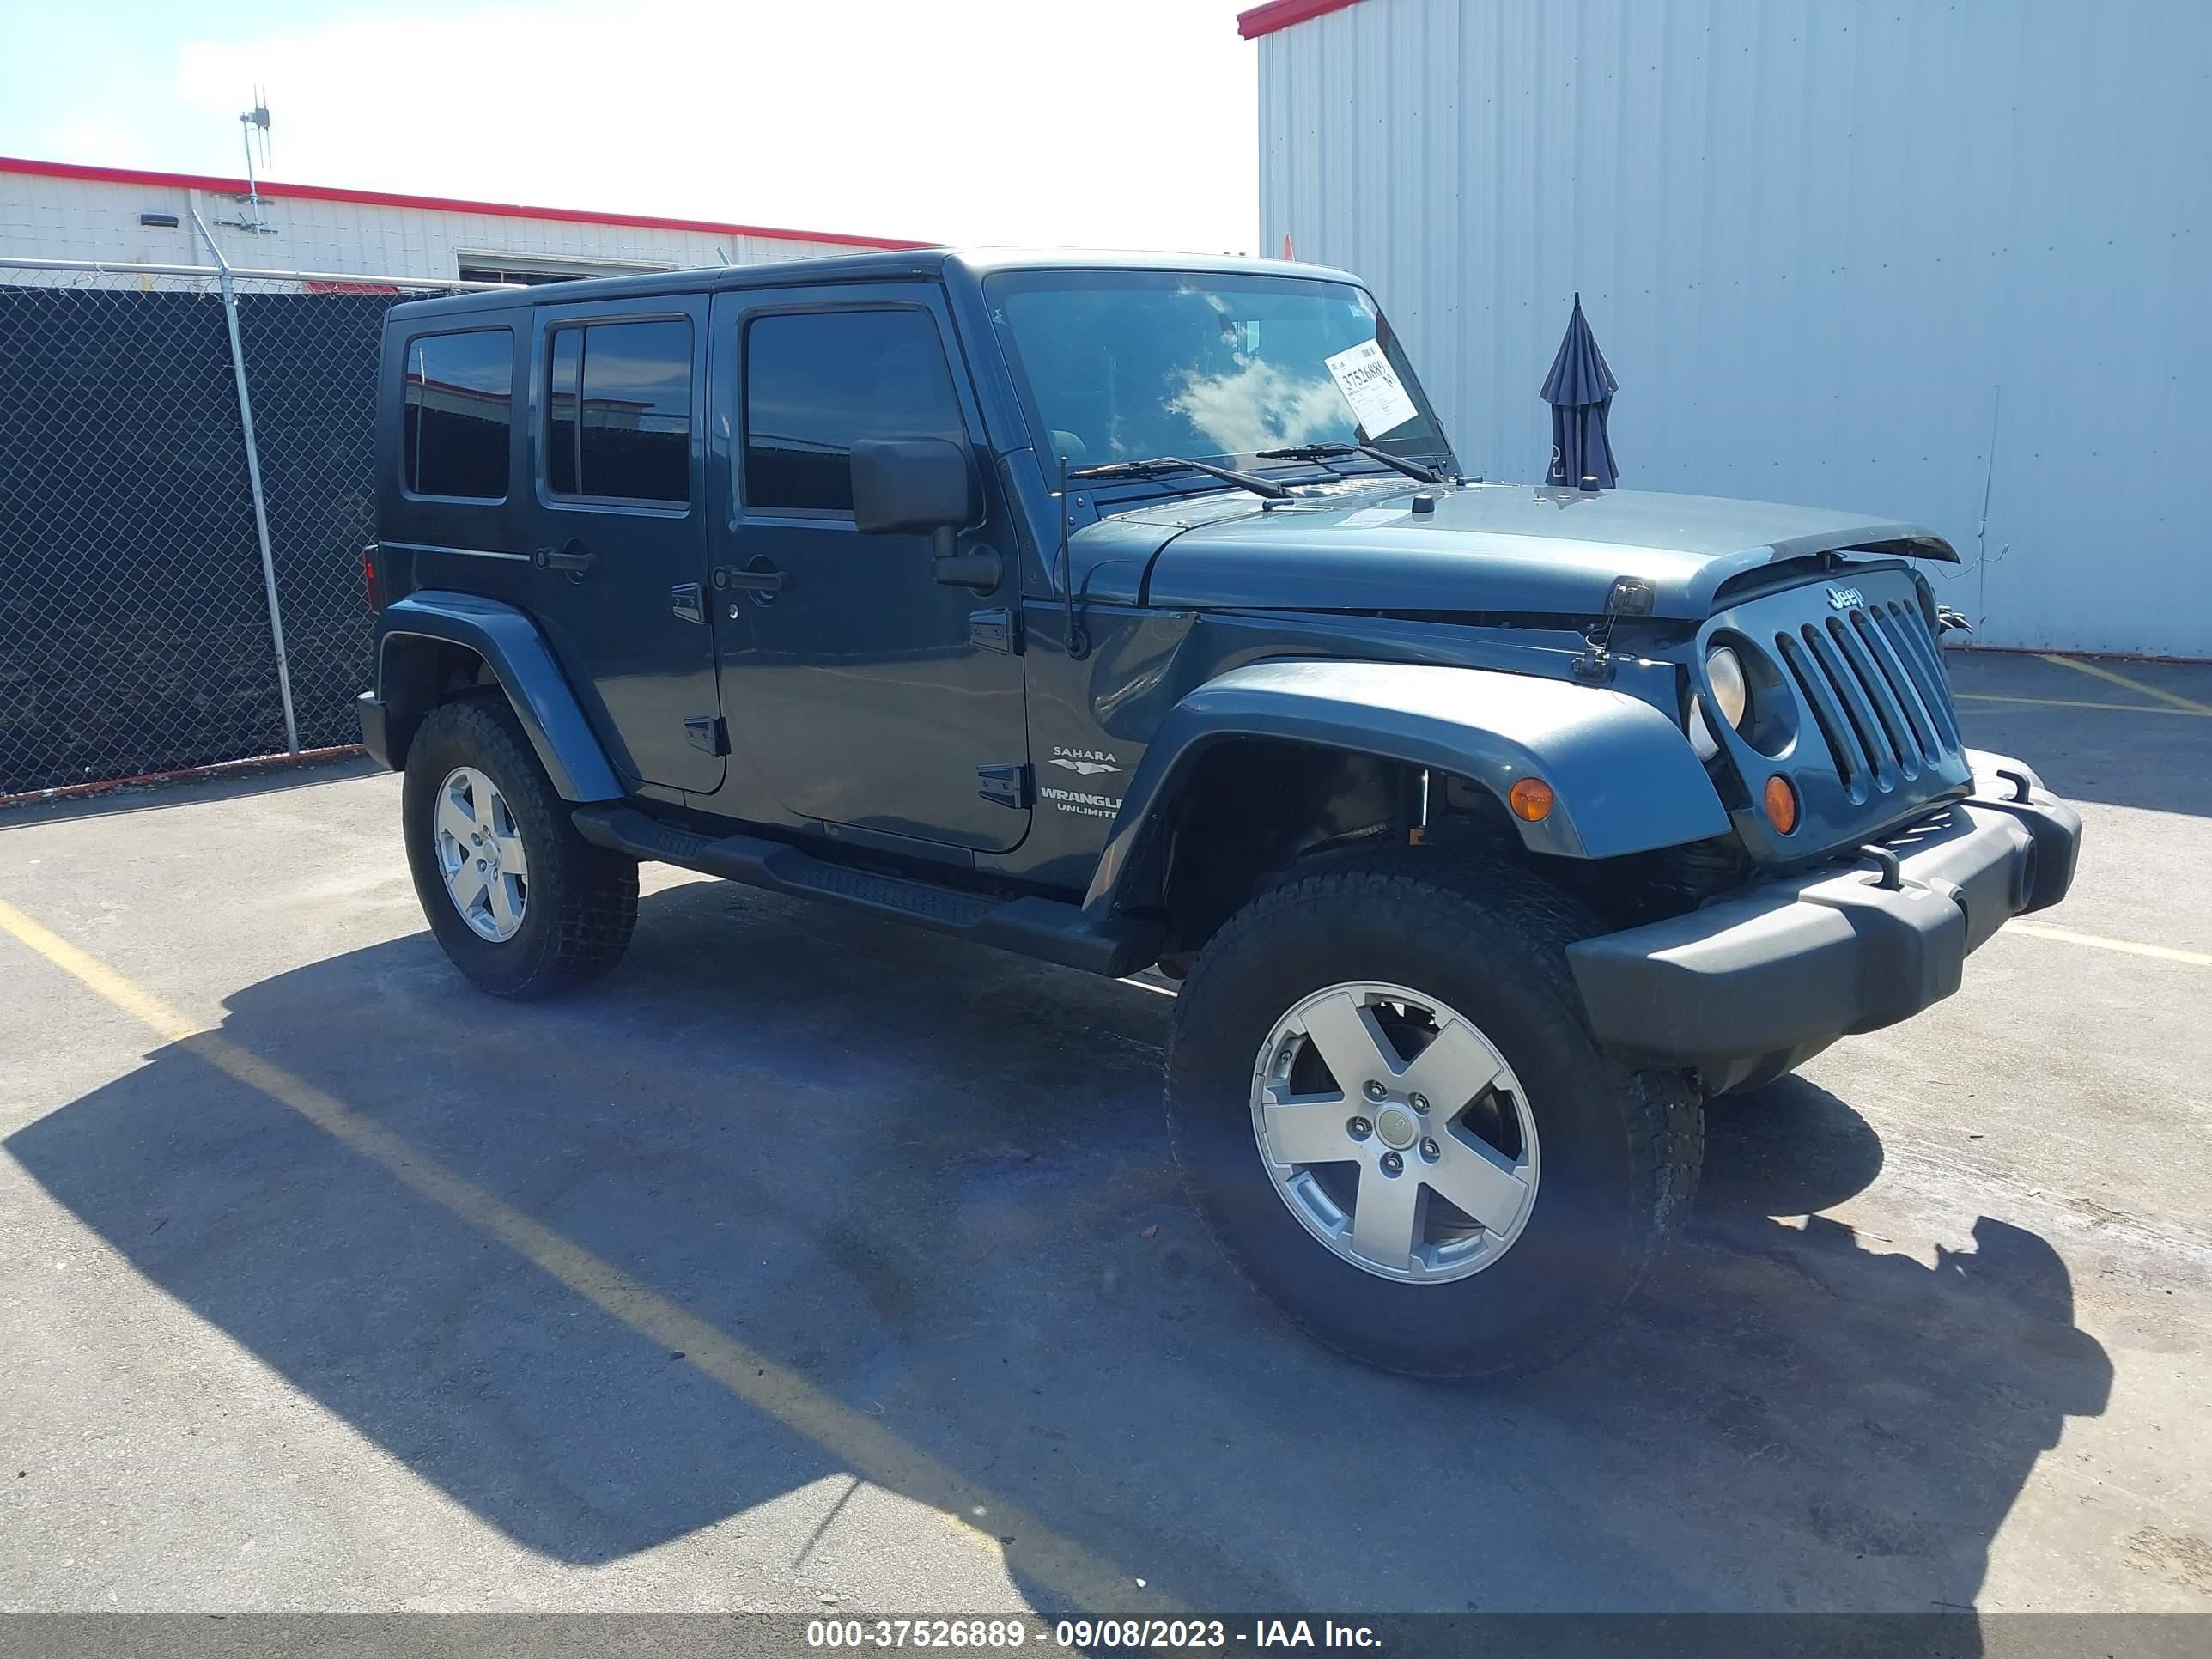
(520, 660)
(1623, 776)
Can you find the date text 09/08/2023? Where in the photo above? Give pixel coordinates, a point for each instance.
(1088, 1634)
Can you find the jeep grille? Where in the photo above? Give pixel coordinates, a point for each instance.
(1867, 736)
(1871, 677)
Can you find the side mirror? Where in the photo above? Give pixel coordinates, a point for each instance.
(911, 486)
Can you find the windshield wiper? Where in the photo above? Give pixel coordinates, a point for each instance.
(1322, 452)
(1159, 464)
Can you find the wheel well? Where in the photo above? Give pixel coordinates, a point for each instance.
(1258, 806)
(418, 674)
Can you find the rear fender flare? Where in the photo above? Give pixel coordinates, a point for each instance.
(521, 661)
(1623, 776)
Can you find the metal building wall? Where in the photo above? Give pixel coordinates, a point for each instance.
(1902, 257)
(97, 219)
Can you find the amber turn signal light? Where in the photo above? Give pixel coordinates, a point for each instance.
(1781, 804)
(1530, 799)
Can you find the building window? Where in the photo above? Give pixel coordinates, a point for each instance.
(532, 270)
(459, 408)
(618, 411)
(815, 381)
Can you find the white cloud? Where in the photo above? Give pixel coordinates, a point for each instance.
(106, 139)
(1260, 406)
(993, 121)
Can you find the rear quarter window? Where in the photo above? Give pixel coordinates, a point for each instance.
(459, 398)
(618, 411)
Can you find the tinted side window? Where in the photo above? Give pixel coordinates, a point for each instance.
(816, 382)
(618, 411)
(561, 411)
(459, 408)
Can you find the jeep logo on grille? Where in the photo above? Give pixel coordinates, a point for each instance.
(1843, 599)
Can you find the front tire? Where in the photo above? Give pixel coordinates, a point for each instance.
(1389, 1112)
(524, 906)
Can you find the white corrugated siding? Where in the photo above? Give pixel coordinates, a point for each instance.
(97, 219)
(1833, 250)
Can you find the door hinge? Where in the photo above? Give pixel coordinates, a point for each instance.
(688, 604)
(995, 630)
(707, 733)
(1007, 786)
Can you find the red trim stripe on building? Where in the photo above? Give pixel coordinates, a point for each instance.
(1279, 14)
(436, 203)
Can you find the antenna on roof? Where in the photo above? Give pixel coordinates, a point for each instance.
(248, 123)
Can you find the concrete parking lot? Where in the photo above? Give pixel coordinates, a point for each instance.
(810, 1262)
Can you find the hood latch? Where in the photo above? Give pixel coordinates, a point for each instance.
(1630, 596)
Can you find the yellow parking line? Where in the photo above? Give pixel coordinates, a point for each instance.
(2110, 677)
(2067, 936)
(856, 1439)
(2075, 702)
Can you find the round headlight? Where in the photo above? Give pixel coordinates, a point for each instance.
(1731, 691)
(1701, 735)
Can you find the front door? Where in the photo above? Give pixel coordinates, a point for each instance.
(864, 691)
(621, 542)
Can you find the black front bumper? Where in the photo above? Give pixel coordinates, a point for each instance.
(1754, 982)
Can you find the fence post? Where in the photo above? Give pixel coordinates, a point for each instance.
(254, 480)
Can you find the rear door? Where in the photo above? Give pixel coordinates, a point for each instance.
(619, 461)
(866, 691)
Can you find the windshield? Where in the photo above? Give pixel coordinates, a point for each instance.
(1126, 366)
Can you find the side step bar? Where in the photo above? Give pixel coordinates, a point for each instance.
(1040, 928)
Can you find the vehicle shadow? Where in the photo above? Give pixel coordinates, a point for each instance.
(933, 1181)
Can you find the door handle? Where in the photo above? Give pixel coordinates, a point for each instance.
(574, 558)
(759, 577)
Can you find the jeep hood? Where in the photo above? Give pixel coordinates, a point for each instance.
(1484, 548)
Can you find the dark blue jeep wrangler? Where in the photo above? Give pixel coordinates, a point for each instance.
(1134, 611)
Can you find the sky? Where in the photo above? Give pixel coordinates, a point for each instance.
(1109, 123)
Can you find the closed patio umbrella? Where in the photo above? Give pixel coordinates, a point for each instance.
(1580, 389)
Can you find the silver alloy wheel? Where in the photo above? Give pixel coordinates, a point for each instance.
(1370, 1102)
(480, 855)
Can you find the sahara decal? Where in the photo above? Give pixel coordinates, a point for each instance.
(1085, 763)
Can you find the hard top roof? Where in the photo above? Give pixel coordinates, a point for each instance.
(926, 264)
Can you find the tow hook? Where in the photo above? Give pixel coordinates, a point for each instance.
(1891, 875)
(2021, 790)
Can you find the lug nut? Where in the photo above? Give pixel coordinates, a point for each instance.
(1431, 1151)
(480, 864)
(1375, 1090)
(1420, 1103)
(1359, 1128)
(1392, 1163)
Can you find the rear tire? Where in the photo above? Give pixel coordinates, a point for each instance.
(1283, 1158)
(475, 794)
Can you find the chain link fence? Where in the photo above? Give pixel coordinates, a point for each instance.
(138, 628)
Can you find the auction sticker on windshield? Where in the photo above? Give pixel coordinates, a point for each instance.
(1371, 386)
